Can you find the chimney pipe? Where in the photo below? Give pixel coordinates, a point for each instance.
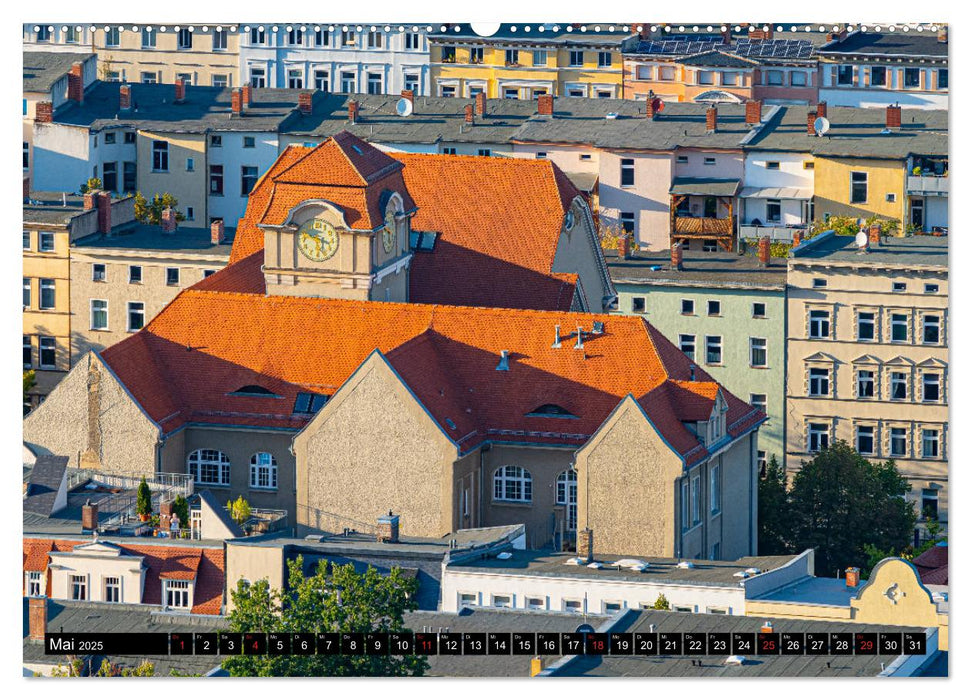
(469, 114)
(727, 36)
(811, 122)
(37, 615)
(821, 109)
(44, 113)
(585, 545)
(893, 116)
(753, 112)
(103, 202)
(305, 100)
(217, 232)
(623, 246)
(179, 90)
(124, 96)
(75, 82)
(237, 102)
(765, 249)
(874, 234)
(352, 110)
(711, 119)
(480, 104)
(852, 577)
(677, 257)
(545, 105)
(579, 344)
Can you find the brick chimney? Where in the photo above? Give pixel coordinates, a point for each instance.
(217, 232)
(821, 109)
(179, 90)
(124, 96)
(893, 116)
(852, 577)
(90, 200)
(760, 34)
(649, 111)
(765, 251)
(44, 113)
(103, 202)
(874, 234)
(677, 257)
(585, 545)
(408, 95)
(796, 238)
(480, 104)
(942, 34)
(247, 95)
(237, 102)
(545, 105)
(169, 222)
(836, 36)
(623, 246)
(469, 114)
(388, 528)
(165, 511)
(711, 119)
(305, 101)
(753, 112)
(352, 111)
(811, 122)
(89, 516)
(75, 82)
(37, 618)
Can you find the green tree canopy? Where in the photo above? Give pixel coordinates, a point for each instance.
(150, 212)
(773, 502)
(336, 598)
(143, 501)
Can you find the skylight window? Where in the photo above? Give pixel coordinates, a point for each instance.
(550, 410)
(423, 241)
(253, 390)
(309, 403)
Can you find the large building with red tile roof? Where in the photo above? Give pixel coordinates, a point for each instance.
(288, 379)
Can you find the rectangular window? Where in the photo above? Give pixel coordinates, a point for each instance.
(627, 221)
(257, 77)
(48, 352)
(249, 142)
(898, 442)
(576, 58)
(899, 286)
(758, 309)
(713, 349)
(110, 176)
(844, 75)
(798, 78)
(484, 152)
(758, 401)
(687, 345)
(134, 274)
(79, 587)
(930, 443)
(47, 294)
(573, 606)
(411, 83)
(28, 353)
(638, 304)
(688, 307)
(898, 386)
(34, 581)
(898, 328)
(136, 316)
(502, 601)
(148, 39)
(539, 58)
(149, 78)
(928, 503)
(911, 77)
(819, 283)
(714, 489)
(818, 381)
(374, 83)
(321, 37)
(665, 73)
(160, 156)
(931, 329)
(413, 42)
(249, 176)
(216, 179)
(773, 211)
(865, 441)
(818, 437)
(172, 276)
(931, 387)
(220, 40)
(185, 39)
(685, 503)
(535, 603)
(99, 315)
(26, 292)
(858, 188)
(865, 383)
(942, 78)
(26, 240)
(45, 241)
(112, 589)
(758, 352)
(295, 36)
(321, 80)
(878, 76)
(348, 82)
(931, 289)
(176, 594)
(72, 35)
(627, 172)
(257, 35)
(295, 78)
(696, 500)
(605, 59)
(190, 164)
(468, 599)
(819, 323)
(512, 57)
(43, 34)
(866, 326)
(109, 137)
(476, 55)
(706, 77)
(714, 307)
(348, 37)
(130, 176)
(775, 77)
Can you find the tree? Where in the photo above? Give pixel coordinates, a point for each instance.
(143, 503)
(773, 504)
(30, 380)
(180, 506)
(239, 510)
(150, 212)
(840, 503)
(92, 184)
(661, 603)
(339, 601)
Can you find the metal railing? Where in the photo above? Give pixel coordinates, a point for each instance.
(332, 522)
(775, 233)
(181, 484)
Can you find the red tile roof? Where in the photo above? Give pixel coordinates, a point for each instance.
(447, 355)
(206, 566)
(498, 220)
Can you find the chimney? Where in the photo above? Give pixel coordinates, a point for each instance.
(247, 95)
(480, 104)
(469, 114)
(90, 200)
(103, 202)
(753, 112)
(38, 618)
(89, 516)
(649, 105)
(711, 119)
(169, 222)
(893, 116)
(388, 528)
(44, 113)
(352, 110)
(677, 257)
(545, 105)
(218, 232)
(75, 83)
(874, 234)
(179, 90)
(727, 36)
(836, 36)
(408, 95)
(811, 122)
(760, 34)
(237, 102)
(623, 246)
(942, 34)
(535, 666)
(124, 96)
(585, 545)
(305, 100)
(821, 109)
(764, 251)
(852, 577)
(767, 627)
(796, 238)
(165, 511)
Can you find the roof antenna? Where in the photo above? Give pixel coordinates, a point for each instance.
(556, 338)
(579, 344)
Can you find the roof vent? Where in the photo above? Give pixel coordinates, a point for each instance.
(556, 338)
(503, 365)
(598, 327)
(579, 343)
(504, 555)
(686, 565)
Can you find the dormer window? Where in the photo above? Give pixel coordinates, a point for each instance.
(550, 410)
(253, 390)
(422, 241)
(177, 594)
(309, 403)
(716, 423)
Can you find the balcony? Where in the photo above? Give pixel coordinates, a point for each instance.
(775, 233)
(692, 226)
(927, 185)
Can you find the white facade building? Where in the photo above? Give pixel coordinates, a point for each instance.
(777, 194)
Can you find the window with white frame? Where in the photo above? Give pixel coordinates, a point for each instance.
(687, 345)
(535, 603)
(263, 471)
(136, 316)
(866, 326)
(696, 500)
(899, 323)
(930, 443)
(45, 241)
(758, 352)
(539, 58)
(898, 442)
(348, 82)
(715, 488)
(865, 383)
(761, 461)
(257, 77)
(99, 314)
(898, 385)
(79, 586)
(819, 381)
(605, 59)
(512, 483)
(685, 503)
(220, 40)
(576, 58)
(626, 172)
(818, 437)
(501, 601)
(758, 401)
(112, 591)
(928, 504)
(468, 599)
(573, 606)
(321, 80)
(26, 292)
(713, 349)
(295, 78)
(930, 387)
(209, 467)
(47, 295)
(858, 188)
(48, 352)
(177, 594)
(931, 329)
(866, 441)
(172, 276)
(714, 307)
(185, 39)
(566, 495)
(35, 583)
(819, 323)
(160, 156)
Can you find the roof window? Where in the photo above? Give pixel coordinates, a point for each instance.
(309, 403)
(550, 410)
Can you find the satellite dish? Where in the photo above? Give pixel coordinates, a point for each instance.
(862, 239)
(657, 104)
(821, 125)
(404, 107)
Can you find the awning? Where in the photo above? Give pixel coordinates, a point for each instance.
(778, 192)
(585, 182)
(705, 186)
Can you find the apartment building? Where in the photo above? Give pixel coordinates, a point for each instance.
(374, 60)
(880, 68)
(523, 63)
(120, 282)
(52, 222)
(868, 356)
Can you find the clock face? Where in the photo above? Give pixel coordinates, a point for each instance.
(389, 233)
(317, 240)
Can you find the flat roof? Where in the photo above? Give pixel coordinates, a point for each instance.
(899, 43)
(44, 68)
(661, 570)
(717, 269)
(149, 237)
(55, 208)
(893, 250)
(811, 589)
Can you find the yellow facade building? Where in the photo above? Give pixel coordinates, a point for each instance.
(560, 60)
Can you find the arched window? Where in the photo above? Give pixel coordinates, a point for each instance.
(262, 471)
(209, 467)
(513, 484)
(566, 495)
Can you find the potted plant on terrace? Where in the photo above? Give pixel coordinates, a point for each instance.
(143, 504)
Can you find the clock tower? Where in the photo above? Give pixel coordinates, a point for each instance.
(344, 224)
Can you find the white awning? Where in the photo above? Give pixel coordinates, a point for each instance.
(778, 192)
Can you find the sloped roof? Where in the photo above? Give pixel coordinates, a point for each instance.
(44, 483)
(719, 59)
(447, 356)
(44, 68)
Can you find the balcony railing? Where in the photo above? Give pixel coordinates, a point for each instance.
(927, 184)
(775, 233)
(702, 226)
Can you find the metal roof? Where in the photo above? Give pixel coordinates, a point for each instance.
(713, 186)
(778, 192)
